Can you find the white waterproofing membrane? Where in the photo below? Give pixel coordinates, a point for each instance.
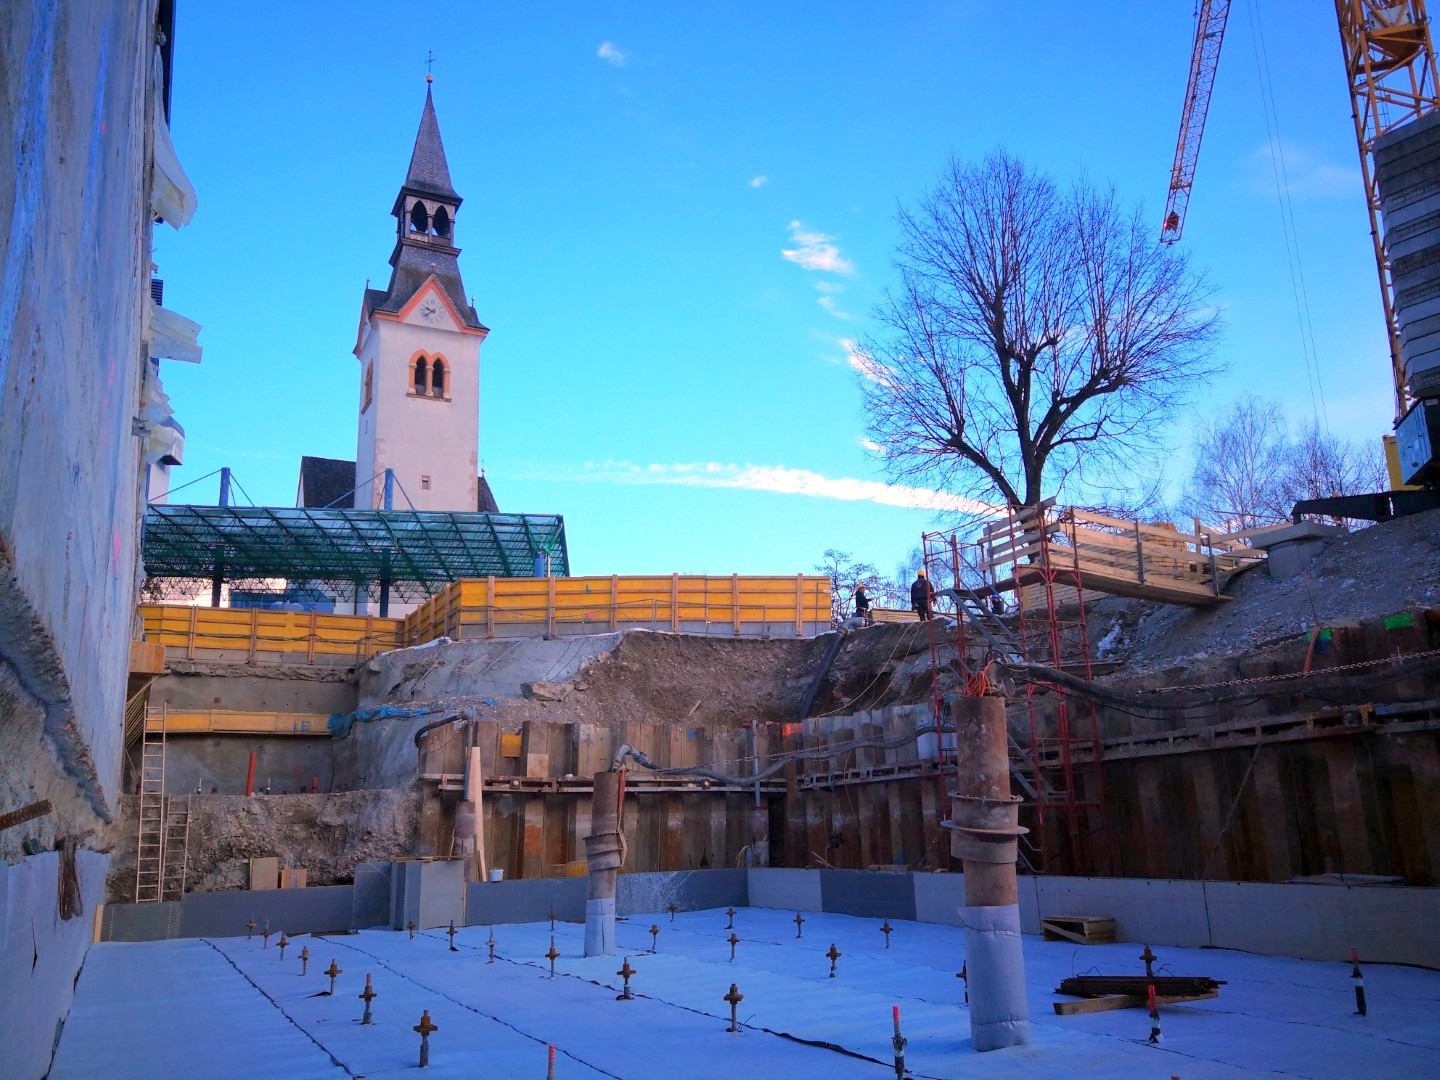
(229, 1008)
(999, 1016)
(600, 926)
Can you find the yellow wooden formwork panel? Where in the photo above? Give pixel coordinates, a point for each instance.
(239, 722)
(255, 631)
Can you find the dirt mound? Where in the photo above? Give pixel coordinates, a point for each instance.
(660, 678)
(1389, 567)
(325, 834)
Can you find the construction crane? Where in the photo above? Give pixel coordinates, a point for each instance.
(1204, 59)
(1390, 69)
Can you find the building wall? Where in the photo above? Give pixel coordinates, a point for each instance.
(414, 435)
(75, 90)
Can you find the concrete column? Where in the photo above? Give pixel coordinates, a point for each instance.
(604, 852)
(984, 825)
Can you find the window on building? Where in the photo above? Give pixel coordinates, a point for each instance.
(369, 388)
(421, 375)
(437, 378)
(419, 219)
(441, 221)
(424, 483)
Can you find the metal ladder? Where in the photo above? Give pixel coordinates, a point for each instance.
(150, 849)
(175, 851)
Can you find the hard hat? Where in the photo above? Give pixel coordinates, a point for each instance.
(919, 573)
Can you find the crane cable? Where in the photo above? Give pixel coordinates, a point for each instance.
(1301, 295)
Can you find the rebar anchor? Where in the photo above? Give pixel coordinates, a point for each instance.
(672, 909)
(304, 959)
(550, 1071)
(552, 920)
(411, 927)
(654, 937)
(834, 954)
(425, 1028)
(1359, 981)
(899, 1042)
(367, 996)
(887, 930)
(250, 928)
(552, 956)
(334, 970)
(282, 943)
(265, 936)
(625, 972)
(734, 997)
(452, 936)
(1155, 1035)
(730, 917)
(734, 940)
(491, 942)
(799, 923)
(1149, 958)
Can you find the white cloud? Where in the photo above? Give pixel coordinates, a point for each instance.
(778, 479)
(759, 181)
(829, 286)
(868, 367)
(828, 303)
(612, 54)
(873, 446)
(815, 251)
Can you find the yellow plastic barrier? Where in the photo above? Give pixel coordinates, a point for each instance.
(734, 606)
(258, 636)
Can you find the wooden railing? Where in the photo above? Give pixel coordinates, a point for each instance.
(1108, 554)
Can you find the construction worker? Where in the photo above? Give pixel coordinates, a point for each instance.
(862, 603)
(921, 595)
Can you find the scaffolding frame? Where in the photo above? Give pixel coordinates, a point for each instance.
(1038, 627)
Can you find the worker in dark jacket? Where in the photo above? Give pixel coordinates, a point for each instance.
(862, 603)
(921, 595)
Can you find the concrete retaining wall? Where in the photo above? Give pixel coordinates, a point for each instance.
(40, 955)
(1311, 922)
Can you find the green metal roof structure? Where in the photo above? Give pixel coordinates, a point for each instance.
(407, 554)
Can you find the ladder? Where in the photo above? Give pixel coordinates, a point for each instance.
(150, 849)
(175, 851)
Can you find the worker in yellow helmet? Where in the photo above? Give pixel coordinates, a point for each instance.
(921, 595)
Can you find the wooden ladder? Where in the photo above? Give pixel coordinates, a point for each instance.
(150, 849)
(176, 849)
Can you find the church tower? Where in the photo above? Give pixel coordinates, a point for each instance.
(419, 351)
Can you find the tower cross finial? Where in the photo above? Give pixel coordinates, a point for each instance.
(429, 66)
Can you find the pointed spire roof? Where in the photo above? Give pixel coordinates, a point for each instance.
(429, 172)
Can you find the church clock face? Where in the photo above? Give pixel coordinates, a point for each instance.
(430, 310)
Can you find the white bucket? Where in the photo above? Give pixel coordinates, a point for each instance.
(497, 875)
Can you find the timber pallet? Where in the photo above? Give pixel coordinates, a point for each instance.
(1083, 929)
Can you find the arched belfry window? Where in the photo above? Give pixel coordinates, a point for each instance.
(441, 221)
(419, 219)
(437, 378)
(422, 375)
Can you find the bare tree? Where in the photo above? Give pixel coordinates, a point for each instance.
(1241, 462)
(844, 574)
(1036, 337)
(1322, 465)
(1249, 471)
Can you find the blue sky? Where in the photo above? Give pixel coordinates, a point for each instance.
(634, 176)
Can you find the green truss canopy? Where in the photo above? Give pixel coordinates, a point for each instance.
(414, 553)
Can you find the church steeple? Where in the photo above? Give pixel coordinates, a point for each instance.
(425, 211)
(429, 172)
